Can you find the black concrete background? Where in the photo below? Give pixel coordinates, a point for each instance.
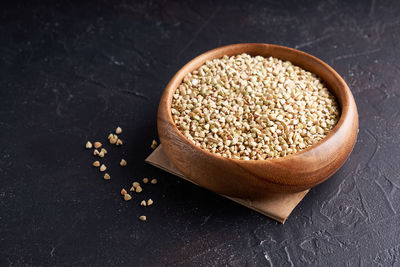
(73, 71)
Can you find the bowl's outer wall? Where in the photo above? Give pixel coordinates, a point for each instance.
(254, 178)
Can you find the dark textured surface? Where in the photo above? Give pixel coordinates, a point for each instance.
(72, 72)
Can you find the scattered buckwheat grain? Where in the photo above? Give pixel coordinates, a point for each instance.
(127, 197)
(143, 203)
(88, 145)
(153, 181)
(154, 144)
(150, 202)
(119, 142)
(96, 163)
(245, 107)
(139, 189)
(135, 184)
(142, 218)
(104, 151)
(145, 180)
(95, 152)
(123, 191)
(101, 154)
(103, 168)
(132, 189)
(97, 145)
(107, 176)
(118, 130)
(113, 138)
(123, 162)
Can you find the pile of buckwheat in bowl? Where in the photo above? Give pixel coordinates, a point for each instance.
(253, 108)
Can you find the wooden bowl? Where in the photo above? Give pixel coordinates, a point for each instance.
(255, 178)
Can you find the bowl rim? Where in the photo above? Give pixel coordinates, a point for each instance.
(344, 109)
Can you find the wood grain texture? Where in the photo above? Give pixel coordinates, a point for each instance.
(254, 178)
